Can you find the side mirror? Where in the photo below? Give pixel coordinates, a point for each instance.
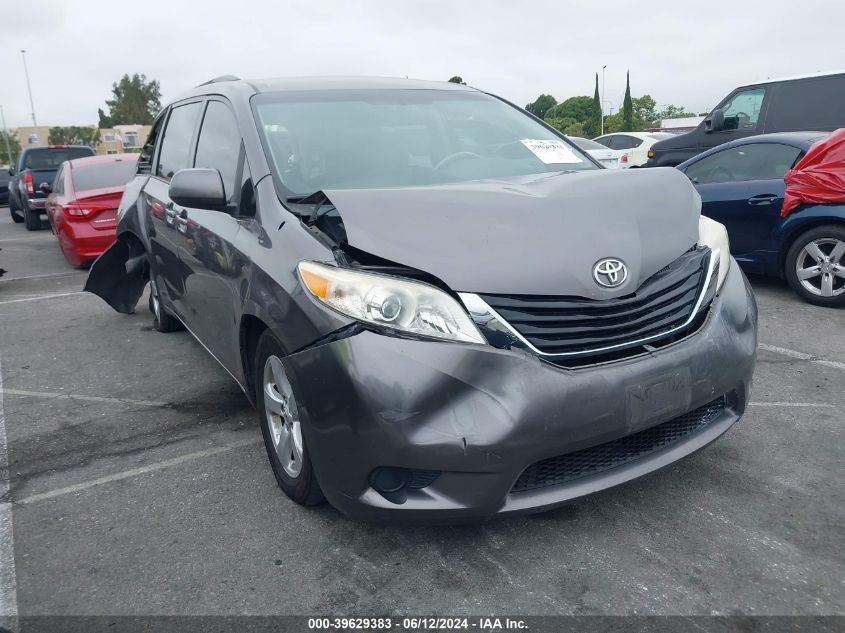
(715, 122)
(45, 187)
(199, 188)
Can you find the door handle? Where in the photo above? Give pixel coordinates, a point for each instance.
(764, 198)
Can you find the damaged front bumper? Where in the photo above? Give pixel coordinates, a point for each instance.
(477, 431)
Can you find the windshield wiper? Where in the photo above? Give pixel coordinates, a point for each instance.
(316, 200)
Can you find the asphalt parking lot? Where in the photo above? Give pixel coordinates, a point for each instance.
(140, 486)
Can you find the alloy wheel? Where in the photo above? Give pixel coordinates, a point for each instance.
(282, 416)
(820, 267)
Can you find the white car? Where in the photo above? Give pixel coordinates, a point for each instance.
(634, 145)
(610, 158)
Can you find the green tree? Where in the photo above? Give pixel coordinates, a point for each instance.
(576, 108)
(673, 112)
(74, 135)
(627, 106)
(592, 127)
(104, 121)
(541, 105)
(457, 79)
(135, 100)
(645, 110)
(10, 148)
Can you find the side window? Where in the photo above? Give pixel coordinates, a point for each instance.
(145, 158)
(219, 144)
(756, 161)
(631, 142)
(176, 144)
(743, 110)
(59, 181)
(807, 104)
(604, 140)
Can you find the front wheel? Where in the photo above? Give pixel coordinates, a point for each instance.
(162, 320)
(278, 415)
(815, 266)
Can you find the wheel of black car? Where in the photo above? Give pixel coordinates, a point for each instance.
(32, 219)
(278, 414)
(13, 211)
(162, 320)
(815, 266)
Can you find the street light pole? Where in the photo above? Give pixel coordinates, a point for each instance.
(602, 99)
(6, 135)
(28, 87)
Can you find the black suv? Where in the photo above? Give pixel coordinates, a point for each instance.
(37, 166)
(798, 104)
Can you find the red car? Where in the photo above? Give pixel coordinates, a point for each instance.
(83, 201)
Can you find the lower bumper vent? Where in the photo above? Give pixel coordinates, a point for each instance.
(597, 459)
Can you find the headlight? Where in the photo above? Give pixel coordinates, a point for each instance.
(714, 236)
(389, 302)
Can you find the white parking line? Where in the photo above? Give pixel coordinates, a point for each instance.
(807, 405)
(8, 577)
(136, 471)
(801, 356)
(39, 297)
(76, 396)
(44, 276)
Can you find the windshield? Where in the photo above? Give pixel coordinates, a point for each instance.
(586, 144)
(52, 157)
(100, 175)
(353, 139)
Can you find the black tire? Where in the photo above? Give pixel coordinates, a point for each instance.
(31, 218)
(826, 232)
(13, 211)
(163, 321)
(304, 488)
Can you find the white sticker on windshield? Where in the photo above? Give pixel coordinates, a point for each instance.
(551, 151)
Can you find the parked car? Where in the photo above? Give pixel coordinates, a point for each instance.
(635, 145)
(82, 204)
(5, 177)
(811, 102)
(741, 186)
(440, 308)
(610, 158)
(37, 165)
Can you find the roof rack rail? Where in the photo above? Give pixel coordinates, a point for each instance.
(219, 79)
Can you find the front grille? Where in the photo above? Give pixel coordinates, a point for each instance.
(577, 326)
(597, 459)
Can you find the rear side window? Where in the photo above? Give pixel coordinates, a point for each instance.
(219, 144)
(755, 161)
(176, 145)
(59, 181)
(103, 175)
(809, 104)
(52, 157)
(623, 141)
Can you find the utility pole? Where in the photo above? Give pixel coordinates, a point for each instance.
(602, 99)
(28, 87)
(6, 135)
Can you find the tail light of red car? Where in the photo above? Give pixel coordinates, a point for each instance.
(83, 211)
(27, 181)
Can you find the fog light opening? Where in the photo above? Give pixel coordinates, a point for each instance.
(387, 479)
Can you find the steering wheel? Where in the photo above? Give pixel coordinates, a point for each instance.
(721, 174)
(456, 156)
(742, 120)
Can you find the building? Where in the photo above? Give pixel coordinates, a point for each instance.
(679, 125)
(122, 138)
(32, 136)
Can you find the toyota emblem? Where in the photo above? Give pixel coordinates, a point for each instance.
(610, 272)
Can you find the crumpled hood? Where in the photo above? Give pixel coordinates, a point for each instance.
(539, 234)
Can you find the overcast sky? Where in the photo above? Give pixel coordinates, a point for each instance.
(686, 53)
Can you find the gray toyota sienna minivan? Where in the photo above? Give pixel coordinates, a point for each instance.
(440, 307)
